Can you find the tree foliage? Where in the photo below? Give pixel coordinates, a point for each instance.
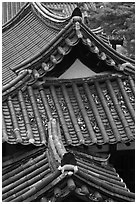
(116, 18)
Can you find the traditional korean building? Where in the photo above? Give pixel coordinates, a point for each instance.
(68, 102)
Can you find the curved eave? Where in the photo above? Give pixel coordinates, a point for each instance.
(61, 37)
(46, 48)
(91, 175)
(35, 176)
(15, 81)
(19, 83)
(21, 39)
(39, 10)
(86, 36)
(47, 14)
(107, 47)
(91, 40)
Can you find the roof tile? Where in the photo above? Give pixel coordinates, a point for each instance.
(26, 33)
(84, 109)
(33, 177)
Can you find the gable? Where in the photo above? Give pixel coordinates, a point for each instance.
(77, 70)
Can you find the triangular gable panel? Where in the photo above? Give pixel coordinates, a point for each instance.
(77, 70)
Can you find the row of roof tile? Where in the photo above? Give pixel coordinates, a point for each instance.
(32, 40)
(24, 39)
(90, 112)
(39, 178)
(70, 36)
(64, 9)
(97, 110)
(10, 9)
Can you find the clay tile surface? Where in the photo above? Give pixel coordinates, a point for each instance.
(10, 9)
(99, 111)
(35, 176)
(28, 33)
(23, 40)
(54, 116)
(101, 175)
(23, 181)
(65, 8)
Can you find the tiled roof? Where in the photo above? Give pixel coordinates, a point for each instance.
(28, 36)
(10, 10)
(43, 176)
(75, 32)
(64, 9)
(24, 121)
(51, 55)
(96, 110)
(89, 111)
(31, 37)
(24, 40)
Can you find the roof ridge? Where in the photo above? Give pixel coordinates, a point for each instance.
(111, 57)
(52, 10)
(125, 59)
(45, 48)
(24, 76)
(48, 14)
(91, 157)
(35, 176)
